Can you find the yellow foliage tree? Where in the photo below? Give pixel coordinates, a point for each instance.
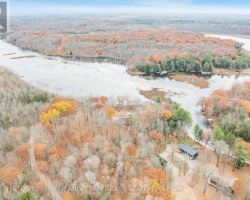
(61, 106)
(49, 116)
(155, 185)
(58, 106)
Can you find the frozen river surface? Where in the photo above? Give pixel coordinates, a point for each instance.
(84, 79)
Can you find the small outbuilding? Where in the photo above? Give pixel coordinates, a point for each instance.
(193, 153)
(223, 184)
(217, 179)
(208, 122)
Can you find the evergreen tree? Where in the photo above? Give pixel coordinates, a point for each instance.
(206, 67)
(181, 115)
(197, 66)
(240, 155)
(197, 132)
(158, 99)
(218, 134)
(172, 66)
(230, 139)
(27, 196)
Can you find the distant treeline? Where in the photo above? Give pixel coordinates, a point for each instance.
(204, 63)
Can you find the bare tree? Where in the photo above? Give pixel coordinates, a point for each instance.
(208, 171)
(221, 148)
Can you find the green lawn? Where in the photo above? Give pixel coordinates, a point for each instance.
(189, 141)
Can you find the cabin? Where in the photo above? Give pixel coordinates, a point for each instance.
(188, 150)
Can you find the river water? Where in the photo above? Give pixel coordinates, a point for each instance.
(78, 79)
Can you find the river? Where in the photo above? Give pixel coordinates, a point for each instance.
(78, 79)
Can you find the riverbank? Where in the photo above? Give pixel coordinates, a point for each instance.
(154, 94)
(79, 79)
(231, 72)
(194, 80)
(20, 57)
(90, 59)
(229, 35)
(22, 101)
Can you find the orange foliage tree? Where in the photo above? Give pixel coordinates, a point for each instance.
(219, 93)
(39, 150)
(56, 153)
(103, 99)
(42, 166)
(157, 58)
(110, 112)
(9, 174)
(167, 114)
(49, 127)
(245, 105)
(15, 132)
(42, 182)
(22, 152)
(131, 150)
(156, 174)
(157, 136)
(99, 105)
(159, 181)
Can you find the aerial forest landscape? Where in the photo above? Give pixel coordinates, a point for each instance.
(125, 100)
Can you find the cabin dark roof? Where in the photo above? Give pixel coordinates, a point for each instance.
(189, 150)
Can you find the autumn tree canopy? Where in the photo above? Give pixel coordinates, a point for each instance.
(110, 112)
(60, 106)
(167, 114)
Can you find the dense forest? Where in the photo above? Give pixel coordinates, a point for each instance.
(142, 47)
(221, 24)
(54, 147)
(205, 63)
(230, 110)
(61, 145)
(101, 148)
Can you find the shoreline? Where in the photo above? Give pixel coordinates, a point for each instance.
(88, 59)
(123, 62)
(230, 35)
(153, 94)
(198, 79)
(185, 93)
